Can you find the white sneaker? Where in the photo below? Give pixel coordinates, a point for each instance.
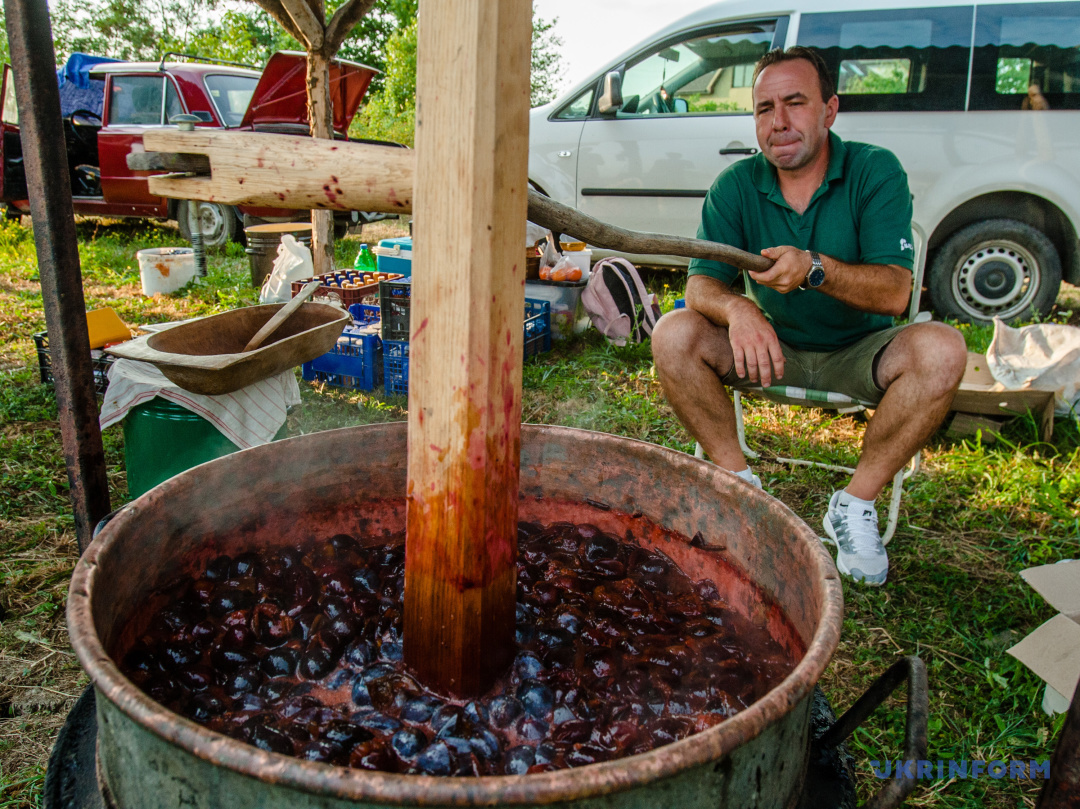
(860, 552)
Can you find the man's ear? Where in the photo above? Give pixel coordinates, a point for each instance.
(832, 106)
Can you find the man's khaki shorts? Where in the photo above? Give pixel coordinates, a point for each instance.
(848, 370)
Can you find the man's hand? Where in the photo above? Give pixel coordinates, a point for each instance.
(789, 271)
(755, 347)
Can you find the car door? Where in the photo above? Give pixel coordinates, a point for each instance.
(686, 115)
(134, 103)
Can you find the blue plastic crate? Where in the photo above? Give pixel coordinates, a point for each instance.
(352, 363)
(364, 315)
(537, 327)
(396, 366)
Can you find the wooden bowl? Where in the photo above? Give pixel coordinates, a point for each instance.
(206, 356)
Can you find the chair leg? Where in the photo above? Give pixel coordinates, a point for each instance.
(699, 452)
(740, 427)
(895, 496)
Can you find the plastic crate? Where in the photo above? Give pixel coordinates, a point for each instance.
(396, 366)
(100, 361)
(395, 304)
(353, 363)
(331, 287)
(364, 315)
(537, 327)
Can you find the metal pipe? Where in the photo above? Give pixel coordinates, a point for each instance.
(34, 67)
(1062, 790)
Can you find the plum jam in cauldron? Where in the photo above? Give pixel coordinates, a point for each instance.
(300, 653)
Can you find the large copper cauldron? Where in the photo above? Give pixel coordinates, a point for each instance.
(353, 481)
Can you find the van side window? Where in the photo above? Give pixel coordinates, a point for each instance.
(135, 100)
(578, 109)
(707, 73)
(898, 60)
(1027, 57)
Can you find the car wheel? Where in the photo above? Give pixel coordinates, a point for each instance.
(218, 223)
(998, 268)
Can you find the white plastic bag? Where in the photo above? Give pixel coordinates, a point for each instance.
(293, 263)
(1043, 356)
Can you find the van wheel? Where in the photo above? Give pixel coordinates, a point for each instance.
(998, 268)
(219, 223)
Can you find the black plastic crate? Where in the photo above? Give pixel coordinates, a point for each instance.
(395, 304)
(100, 361)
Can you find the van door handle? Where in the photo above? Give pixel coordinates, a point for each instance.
(744, 150)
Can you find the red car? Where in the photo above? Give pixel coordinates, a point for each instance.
(107, 106)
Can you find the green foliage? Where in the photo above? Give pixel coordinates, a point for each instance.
(883, 76)
(391, 113)
(1013, 75)
(695, 104)
(547, 69)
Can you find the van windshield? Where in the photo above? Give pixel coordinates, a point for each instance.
(231, 96)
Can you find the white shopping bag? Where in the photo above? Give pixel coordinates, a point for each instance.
(293, 263)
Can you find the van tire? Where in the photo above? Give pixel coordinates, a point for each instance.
(997, 268)
(220, 224)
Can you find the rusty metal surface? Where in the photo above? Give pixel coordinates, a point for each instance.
(45, 159)
(1062, 791)
(912, 671)
(354, 480)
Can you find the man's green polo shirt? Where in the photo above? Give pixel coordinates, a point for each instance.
(861, 214)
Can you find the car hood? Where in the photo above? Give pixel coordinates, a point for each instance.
(281, 94)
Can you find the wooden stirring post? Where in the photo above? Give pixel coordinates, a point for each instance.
(467, 317)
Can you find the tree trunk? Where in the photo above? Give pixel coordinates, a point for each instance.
(320, 115)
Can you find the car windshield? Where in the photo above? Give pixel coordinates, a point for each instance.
(231, 95)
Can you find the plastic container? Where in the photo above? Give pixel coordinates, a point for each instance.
(354, 363)
(537, 327)
(582, 259)
(162, 439)
(396, 367)
(99, 361)
(568, 316)
(262, 246)
(395, 304)
(365, 262)
(395, 255)
(165, 270)
(364, 315)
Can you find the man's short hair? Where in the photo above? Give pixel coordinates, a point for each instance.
(777, 55)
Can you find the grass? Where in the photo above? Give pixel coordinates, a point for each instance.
(976, 515)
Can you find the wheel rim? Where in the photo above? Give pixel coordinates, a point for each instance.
(997, 278)
(211, 222)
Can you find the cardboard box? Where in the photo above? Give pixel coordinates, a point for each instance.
(981, 394)
(1053, 650)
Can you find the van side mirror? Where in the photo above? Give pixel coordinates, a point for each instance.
(682, 106)
(611, 100)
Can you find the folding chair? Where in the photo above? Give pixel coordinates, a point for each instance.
(841, 403)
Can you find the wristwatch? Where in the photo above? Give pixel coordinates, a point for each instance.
(816, 276)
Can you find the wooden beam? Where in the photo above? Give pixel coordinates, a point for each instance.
(466, 342)
(287, 171)
(321, 118)
(312, 28)
(344, 20)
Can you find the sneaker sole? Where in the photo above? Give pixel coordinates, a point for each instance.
(858, 576)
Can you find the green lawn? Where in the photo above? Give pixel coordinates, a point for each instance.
(976, 515)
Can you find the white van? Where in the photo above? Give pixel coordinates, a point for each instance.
(981, 103)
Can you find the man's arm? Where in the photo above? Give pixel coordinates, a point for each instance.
(754, 345)
(881, 289)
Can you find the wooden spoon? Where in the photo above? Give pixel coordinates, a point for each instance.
(282, 314)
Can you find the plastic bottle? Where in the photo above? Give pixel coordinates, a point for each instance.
(365, 262)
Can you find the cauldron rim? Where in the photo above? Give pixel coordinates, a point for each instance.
(419, 790)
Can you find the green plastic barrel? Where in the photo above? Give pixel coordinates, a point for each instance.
(162, 439)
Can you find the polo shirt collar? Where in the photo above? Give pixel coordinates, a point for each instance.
(764, 176)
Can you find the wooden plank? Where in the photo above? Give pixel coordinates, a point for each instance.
(466, 341)
(287, 171)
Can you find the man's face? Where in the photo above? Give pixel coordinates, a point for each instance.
(792, 119)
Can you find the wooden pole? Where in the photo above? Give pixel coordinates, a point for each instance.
(466, 341)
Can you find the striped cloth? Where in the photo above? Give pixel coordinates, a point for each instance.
(790, 394)
(247, 417)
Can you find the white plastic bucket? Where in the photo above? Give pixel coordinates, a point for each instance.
(165, 269)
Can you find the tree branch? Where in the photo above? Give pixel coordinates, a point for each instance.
(282, 18)
(308, 23)
(342, 23)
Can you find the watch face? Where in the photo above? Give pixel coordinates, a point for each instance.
(815, 278)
